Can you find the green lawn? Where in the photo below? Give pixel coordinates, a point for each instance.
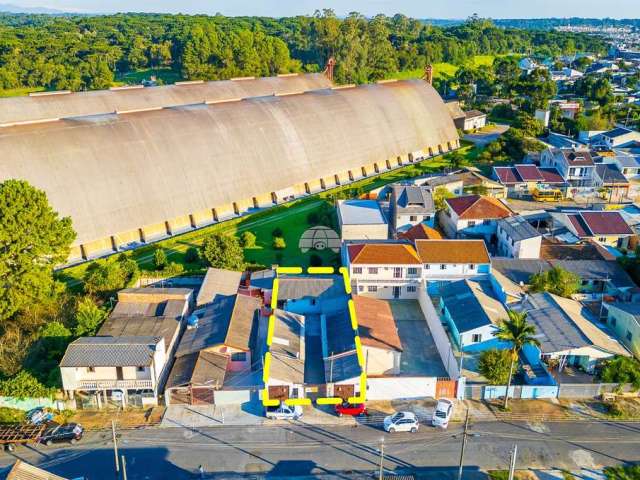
(291, 218)
(448, 69)
(166, 75)
(19, 92)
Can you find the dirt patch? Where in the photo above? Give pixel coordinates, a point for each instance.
(96, 420)
(530, 407)
(624, 408)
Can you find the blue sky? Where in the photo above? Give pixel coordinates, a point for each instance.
(413, 8)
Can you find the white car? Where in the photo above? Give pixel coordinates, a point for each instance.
(401, 422)
(284, 412)
(442, 414)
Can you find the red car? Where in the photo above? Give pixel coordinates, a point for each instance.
(353, 409)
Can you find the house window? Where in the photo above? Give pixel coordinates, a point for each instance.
(602, 239)
(357, 270)
(140, 369)
(361, 288)
(443, 267)
(294, 392)
(426, 218)
(612, 321)
(471, 223)
(472, 266)
(372, 288)
(629, 336)
(427, 266)
(413, 218)
(91, 369)
(412, 271)
(397, 272)
(476, 337)
(373, 270)
(486, 221)
(239, 357)
(411, 288)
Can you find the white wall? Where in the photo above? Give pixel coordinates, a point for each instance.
(396, 388)
(384, 291)
(380, 361)
(384, 272)
(365, 232)
(435, 270)
(486, 332)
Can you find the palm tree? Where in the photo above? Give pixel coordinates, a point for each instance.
(517, 331)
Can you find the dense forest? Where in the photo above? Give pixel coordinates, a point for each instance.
(82, 52)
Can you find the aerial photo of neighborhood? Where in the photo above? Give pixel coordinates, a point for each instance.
(331, 240)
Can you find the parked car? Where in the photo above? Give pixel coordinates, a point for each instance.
(38, 415)
(56, 433)
(284, 412)
(401, 422)
(353, 409)
(442, 414)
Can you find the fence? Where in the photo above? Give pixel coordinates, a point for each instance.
(566, 390)
(591, 390)
(29, 403)
(438, 333)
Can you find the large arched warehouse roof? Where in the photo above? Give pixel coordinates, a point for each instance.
(119, 172)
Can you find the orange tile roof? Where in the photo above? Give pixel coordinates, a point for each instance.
(452, 251)
(476, 207)
(383, 253)
(421, 232)
(376, 324)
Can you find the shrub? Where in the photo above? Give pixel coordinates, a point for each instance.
(315, 260)
(279, 243)
(494, 364)
(277, 232)
(313, 218)
(160, 259)
(105, 278)
(89, 317)
(223, 251)
(173, 269)
(24, 385)
(192, 255)
(622, 370)
(248, 240)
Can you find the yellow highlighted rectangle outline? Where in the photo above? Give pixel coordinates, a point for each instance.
(266, 401)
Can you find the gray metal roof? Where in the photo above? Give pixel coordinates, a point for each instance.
(218, 282)
(213, 324)
(412, 199)
(54, 105)
(519, 270)
(110, 352)
(626, 160)
(339, 333)
(608, 173)
(298, 287)
(342, 367)
(288, 348)
(471, 304)
(360, 212)
(139, 169)
(518, 228)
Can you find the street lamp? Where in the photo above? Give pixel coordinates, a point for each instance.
(380, 474)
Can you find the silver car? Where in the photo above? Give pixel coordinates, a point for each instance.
(284, 412)
(401, 422)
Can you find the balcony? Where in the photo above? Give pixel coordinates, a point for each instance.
(114, 384)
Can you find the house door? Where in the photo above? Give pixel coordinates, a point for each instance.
(119, 375)
(396, 292)
(344, 391)
(445, 388)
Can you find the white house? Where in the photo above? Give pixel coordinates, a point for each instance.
(453, 259)
(286, 371)
(410, 206)
(517, 238)
(575, 166)
(361, 220)
(619, 137)
(473, 216)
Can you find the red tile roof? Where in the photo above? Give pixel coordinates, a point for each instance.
(421, 232)
(507, 175)
(551, 175)
(476, 207)
(579, 225)
(383, 253)
(452, 251)
(577, 159)
(376, 323)
(529, 173)
(606, 223)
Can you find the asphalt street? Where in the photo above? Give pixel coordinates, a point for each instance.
(348, 452)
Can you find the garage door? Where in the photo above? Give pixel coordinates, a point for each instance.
(202, 396)
(445, 388)
(279, 392)
(344, 391)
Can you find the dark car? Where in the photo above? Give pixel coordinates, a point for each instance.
(55, 433)
(353, 409)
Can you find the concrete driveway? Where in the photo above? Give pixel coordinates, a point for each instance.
(481, 139)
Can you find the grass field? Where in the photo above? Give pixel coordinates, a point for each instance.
(165, 75)
(440, 69)
(19, 92)
(291, 218)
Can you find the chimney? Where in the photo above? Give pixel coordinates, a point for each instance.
(428, 74)
(328, 70)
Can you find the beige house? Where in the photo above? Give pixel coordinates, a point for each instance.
(361, 220)
(286, 373)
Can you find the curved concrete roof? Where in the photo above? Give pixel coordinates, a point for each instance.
(49, 106)
(118, 172)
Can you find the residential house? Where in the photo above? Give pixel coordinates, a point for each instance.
(286, 372)
(466, 180)
(473, 216)
(472, 120)
(361, 220)
(218, 281)
(612, 184)
(517, 238)
(624, 320)
(605, 227)
(127, 363)
(453, 259)
(218, 344)
(342, 369)
(575, 166)
(566, 334)
(471, 312)
(410, 205)
(25, 471)
(525, 179)
(381, 345)
(528, 65)
(383, 270)
(619, 137)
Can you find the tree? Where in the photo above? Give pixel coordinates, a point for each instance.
(33, 239)
(456, 160)
(530, 125)
(279, 243)
(24, 385)
(192, 255)
(223, 251)
(248, 240)
(105, 278)
(160, 259)
(54, 337)
(494, 365)
(439, 198)
(621, 370)
(89, 317)
(519, 333)
(557, 281)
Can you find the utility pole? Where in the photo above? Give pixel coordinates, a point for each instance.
(381, 472)
(124, 468)
(464, 444)
(512, 463)
(115, 446)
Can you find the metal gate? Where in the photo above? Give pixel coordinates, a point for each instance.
(180, 396)
(344, 391)
(279, 392)
(202, 396)
(445, 387)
